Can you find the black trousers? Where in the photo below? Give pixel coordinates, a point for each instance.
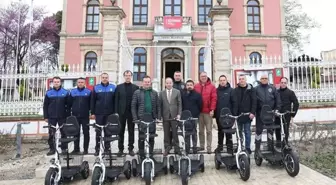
(54, 122)
(84, 123)
(229, 143)
(193, 138)
(101, 120)
(126, 118)
(286, 123)
(141, 144)
(259, 130)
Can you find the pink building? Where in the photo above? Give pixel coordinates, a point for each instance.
(254, 28)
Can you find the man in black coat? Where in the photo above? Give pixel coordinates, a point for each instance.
(192, 101)
(123, 98)
(288, 98)
(246, 103)
(225, 99)
(266, 95)
(178, 84)
(79, 102)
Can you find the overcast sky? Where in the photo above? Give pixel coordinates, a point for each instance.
(321, 39)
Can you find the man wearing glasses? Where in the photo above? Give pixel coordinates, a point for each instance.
(266, 95)
(288, 98)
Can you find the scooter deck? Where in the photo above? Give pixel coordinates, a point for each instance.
(113, 172)
(272, 157)
(195, 166)
(228, 160)
(71, 171)
(158, 167)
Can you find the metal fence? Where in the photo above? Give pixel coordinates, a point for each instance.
(312, 80)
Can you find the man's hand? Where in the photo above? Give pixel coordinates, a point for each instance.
(93, 116)
(178, 117)
(46, 120)
(251, 116)
(158, 120)
(211, 113)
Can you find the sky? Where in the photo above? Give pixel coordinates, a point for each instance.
(321, 39)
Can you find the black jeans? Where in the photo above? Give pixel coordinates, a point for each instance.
(193, 138)
(259, 130)
(286, 123)
(84, 122)
(101, 120)
(130, 126)
(54, 122)
(229, 143)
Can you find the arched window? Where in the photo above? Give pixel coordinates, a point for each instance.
(140, 12)
(204, 7)
(253, 17)
(92, 16)
(172, 7)
(90, 61)
(140, 64)
(255, 58)
(201, 60)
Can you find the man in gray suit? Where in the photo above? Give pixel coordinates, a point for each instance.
(171, 107)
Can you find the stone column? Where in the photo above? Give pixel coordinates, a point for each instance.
(221, 40)
(113, 16)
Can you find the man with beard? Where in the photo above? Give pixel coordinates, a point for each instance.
(266, 95)
(192, 101)
(288, 98)
(246, 102)
(225, 99)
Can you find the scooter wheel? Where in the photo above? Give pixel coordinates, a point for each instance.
(217, 163)
(171, 164)
(85, 171)
(244, 170)
(184, 172)
(165, 167)
(148, 173)
(292, 163)
(134, 167)
(50, 177)
(258, 160)
(97, 173)
(202, 163)
(127, 169)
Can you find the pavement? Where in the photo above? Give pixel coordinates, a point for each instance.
(265, 174)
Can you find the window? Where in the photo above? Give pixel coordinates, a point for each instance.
(204, 7)
(255, 58)
(172, 7)
(90, 61)
(140, 12)
(253, 17)
(140, 64)
(92, 16)
(201, 60)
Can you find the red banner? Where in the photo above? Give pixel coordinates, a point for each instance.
(172, 22)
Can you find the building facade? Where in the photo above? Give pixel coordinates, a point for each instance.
(169, 35)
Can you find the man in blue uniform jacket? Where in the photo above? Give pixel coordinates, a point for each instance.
(79, 102)
(55, 111)
(102, 105)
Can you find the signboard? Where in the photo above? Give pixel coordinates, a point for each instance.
(253, 76)
(172, 22)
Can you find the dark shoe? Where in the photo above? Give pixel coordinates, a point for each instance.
(209, 151)
(120, 153)
(165, 153)
(85, 152)
(200, 148)
(235, 150)
(75, 152)
(229, 150)
(96, 153)
(131, 153)
(249, 151)
(195, 150)
(218, 150)
(51, 152)
(178, 152)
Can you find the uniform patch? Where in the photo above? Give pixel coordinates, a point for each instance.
(182, 86)
(269, 89)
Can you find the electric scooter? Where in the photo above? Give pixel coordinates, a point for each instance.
(56, 174)
(102, 172)
(240, 160)
(148, 167)
(286, 155)
(185, 166)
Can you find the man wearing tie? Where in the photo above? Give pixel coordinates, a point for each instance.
(171, 107)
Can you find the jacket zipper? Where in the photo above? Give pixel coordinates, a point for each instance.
(79, 102)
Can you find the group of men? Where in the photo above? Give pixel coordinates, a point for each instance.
(203, 100)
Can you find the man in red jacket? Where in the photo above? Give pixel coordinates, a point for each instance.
(209, 99)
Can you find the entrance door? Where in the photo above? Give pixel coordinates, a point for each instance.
(171, 67)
